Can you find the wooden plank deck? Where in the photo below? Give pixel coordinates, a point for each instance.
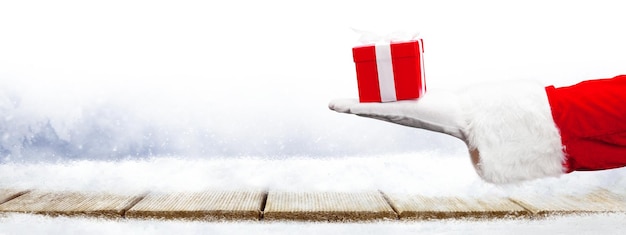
(600, 200)
(421, 207)
(329, 206)
(302, 206)
(71, 204)
(10, 194)
(210, 206)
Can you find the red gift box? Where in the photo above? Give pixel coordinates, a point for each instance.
(390, 71)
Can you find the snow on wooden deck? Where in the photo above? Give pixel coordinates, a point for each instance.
(421, 207)
(215, 205)
(71, 203)
(328, 206)
(600, 200)
(302, 206)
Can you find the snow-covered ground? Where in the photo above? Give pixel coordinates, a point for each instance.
(575, 224)
(424, 173)
(130, 95)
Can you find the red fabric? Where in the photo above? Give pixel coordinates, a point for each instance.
(591, 117)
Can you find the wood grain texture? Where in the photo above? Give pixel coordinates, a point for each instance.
(70, 204)
(210, 205)
(303, 206)
(327, 206)
(422, 207)
(10, 194)
(600, 200)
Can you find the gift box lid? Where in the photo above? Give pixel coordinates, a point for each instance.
(398, 50)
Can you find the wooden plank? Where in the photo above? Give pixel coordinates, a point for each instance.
(600, 200)
(210, 205)
(422, 207)
(10, 194)
(71, 204)
(327, 206)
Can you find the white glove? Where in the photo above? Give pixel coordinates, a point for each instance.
(438, 111)
(508, 127)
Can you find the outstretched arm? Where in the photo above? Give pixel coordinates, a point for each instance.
(508, 127)
(437, 111)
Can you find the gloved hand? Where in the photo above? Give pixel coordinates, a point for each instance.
(508, 127)
(438, 111)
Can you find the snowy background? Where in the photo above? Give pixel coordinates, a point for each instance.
(188, 95)
(127, 79)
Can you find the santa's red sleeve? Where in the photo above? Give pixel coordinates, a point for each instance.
(591, 117)
(524, 130)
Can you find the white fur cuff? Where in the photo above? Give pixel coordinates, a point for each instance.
(511, 126)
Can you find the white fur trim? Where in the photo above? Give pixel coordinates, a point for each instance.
(511, 126)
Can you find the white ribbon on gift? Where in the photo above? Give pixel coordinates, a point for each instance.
(386, 82)
(384, 65)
